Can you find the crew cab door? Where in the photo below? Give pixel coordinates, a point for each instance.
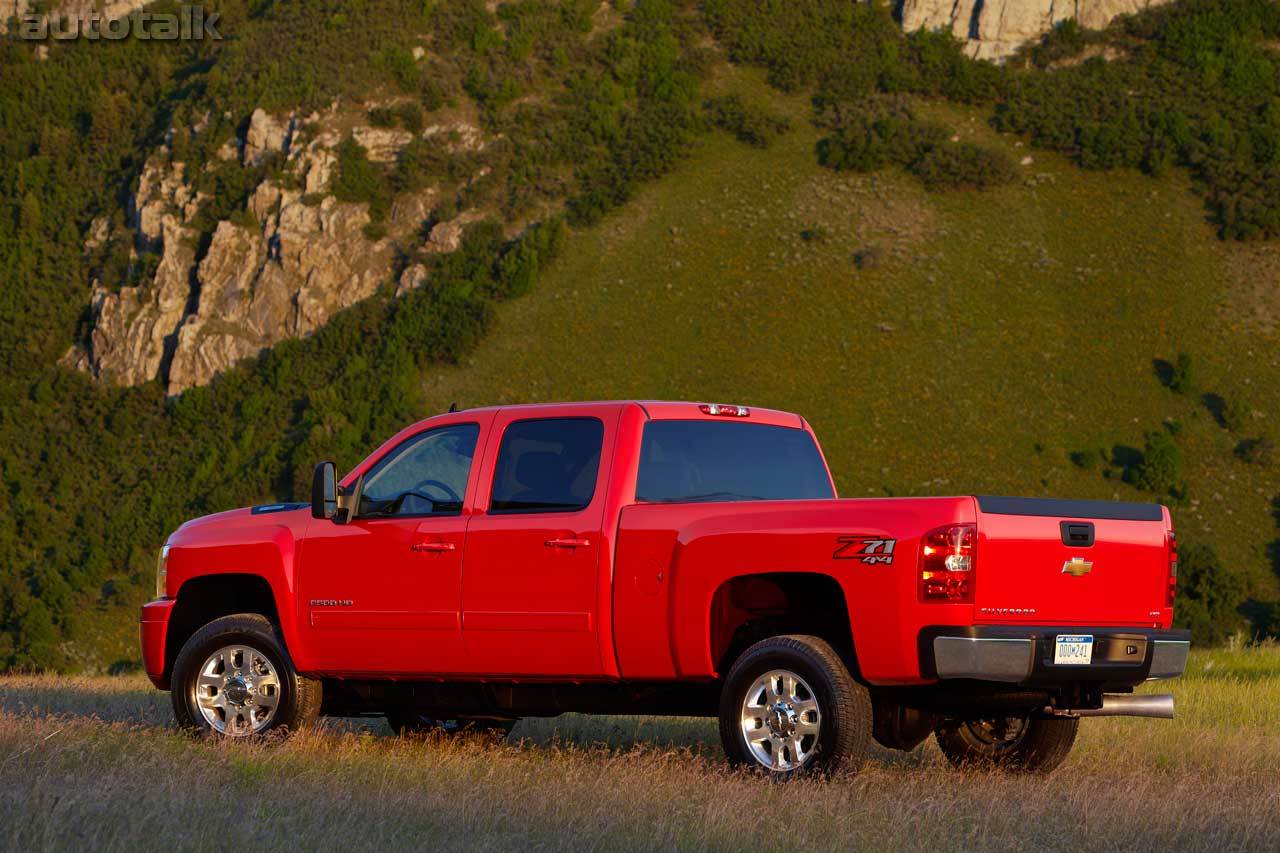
(529, 592)
(381, 593)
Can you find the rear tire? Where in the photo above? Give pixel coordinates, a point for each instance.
(790, 706)
(413, 724)
(234, 678)
(1016, 744)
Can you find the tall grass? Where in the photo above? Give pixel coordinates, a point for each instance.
(96, 762)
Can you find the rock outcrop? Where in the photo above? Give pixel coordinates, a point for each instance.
(292, 259)
(80, 9)
(995, 29)
(266, 135)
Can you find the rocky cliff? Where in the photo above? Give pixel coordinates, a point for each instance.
(77, 8)
(278, 269)
(994, 29)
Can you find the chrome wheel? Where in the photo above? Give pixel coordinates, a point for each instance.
(238, 691)
(998, 734)
(780, 720)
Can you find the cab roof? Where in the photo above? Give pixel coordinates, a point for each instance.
(664, 410)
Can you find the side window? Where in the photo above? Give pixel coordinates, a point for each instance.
(426, 475)
(547, 465)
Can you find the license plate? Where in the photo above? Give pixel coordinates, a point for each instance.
(1073, 650)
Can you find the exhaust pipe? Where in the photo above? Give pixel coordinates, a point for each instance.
(1159, 705)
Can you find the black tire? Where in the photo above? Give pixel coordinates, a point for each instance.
(844, 707)
(297, 698)
(1025, 745)
(414, 724)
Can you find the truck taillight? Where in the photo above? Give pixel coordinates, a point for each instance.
(1171, 588)
(948, 557)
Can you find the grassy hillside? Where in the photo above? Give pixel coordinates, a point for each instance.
(1027, 338)
(95, 761)
(998, 333)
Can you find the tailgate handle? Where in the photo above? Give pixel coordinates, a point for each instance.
(1077, 534)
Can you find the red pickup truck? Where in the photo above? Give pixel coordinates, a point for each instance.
(665, 558)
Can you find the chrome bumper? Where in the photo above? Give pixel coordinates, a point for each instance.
(984, 658)
(1015, 655)
(1168, 658)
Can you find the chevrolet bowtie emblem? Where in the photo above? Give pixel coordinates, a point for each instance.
(1076, 567)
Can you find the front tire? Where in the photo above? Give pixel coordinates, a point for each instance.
(234, 678)
(1017, 744)
(790, 706)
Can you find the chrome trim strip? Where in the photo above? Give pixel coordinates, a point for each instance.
(985, 658)
(1168, 658)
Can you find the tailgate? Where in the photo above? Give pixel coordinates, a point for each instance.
(1071, 562)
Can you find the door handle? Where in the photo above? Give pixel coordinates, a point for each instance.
(432, 547)
(567, 543)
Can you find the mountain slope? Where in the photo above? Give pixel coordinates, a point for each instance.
(999, 334)
(1024, 338)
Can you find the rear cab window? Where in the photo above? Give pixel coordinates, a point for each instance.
(547, 465)
(685, 461)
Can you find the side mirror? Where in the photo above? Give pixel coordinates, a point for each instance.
(324, 491)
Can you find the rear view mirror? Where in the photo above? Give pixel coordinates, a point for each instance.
(324, 491)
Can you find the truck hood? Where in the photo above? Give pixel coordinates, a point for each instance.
(249, 516)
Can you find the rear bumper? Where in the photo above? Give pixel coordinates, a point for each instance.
(1122, 657)
(153, 628)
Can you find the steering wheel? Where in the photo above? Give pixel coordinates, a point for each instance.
(436, 484)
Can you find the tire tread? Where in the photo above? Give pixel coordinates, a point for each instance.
(851, 710)
(305, 695)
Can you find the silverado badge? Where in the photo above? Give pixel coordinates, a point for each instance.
(1077, 567)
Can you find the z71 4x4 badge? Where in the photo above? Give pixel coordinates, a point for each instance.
(868, 549)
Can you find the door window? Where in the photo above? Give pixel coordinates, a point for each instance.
(425, 475)
(547, 465)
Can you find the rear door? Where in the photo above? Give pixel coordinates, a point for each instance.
(529, 589)
(1071, 562)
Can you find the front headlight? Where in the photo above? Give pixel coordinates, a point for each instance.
(162, 571)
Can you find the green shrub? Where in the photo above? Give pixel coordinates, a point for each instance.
(407, 115)
(866, 141)
(1160, 469)
(747, 122)
(1065, 41)
(962, 165)
(400, 66)
(1086, 459)
(361, 181)
(1256, 451)
(1209, 596)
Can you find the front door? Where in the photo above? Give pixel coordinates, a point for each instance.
(381, 593)
(530, 584)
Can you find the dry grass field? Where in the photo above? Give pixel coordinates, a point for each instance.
(96, 763)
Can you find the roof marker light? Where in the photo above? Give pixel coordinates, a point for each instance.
(724, 410)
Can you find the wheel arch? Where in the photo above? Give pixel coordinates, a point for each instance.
(204, 598)
(748, 607)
